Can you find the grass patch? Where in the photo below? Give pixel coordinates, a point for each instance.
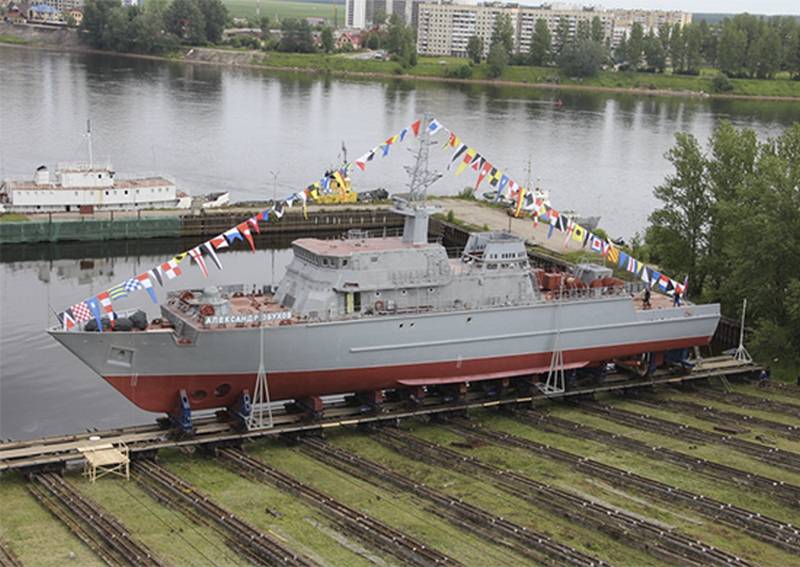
(443, 67)
(662, 471)
(13, 217)
(269, 509)
(33, 534)
(283, 9)
(401, 511)
(13, 40)
(484, 495)
(562, 476)
(171, 536)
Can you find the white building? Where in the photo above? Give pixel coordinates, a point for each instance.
(81, 185)
(355, 16)
(444, 28)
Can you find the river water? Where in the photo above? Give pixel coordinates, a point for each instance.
(214, 128)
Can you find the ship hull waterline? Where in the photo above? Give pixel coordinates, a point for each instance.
(385, 352)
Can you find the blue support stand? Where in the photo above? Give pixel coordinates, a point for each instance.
(241, 410)
(181, 418)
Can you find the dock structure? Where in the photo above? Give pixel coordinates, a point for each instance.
(58, 452)
(137, 225)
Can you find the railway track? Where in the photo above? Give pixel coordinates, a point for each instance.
(770, 455)
(635, 531)
(369, 530)
(724, 417)
(774, 532)
(537, 547)
(790, 493)
(245, 539)
(97, 529)
(7, 557)
(753, 402)
(35, 454)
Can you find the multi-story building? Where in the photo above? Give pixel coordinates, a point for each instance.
(361, 14)
(62, 6)
(355, 15)
(444, 28)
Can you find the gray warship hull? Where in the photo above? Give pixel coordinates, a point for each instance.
(383, 352)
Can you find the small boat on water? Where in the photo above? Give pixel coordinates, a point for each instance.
(87, 187)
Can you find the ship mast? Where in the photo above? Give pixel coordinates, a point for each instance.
(413, 205)
(89, 138)
(420, 177)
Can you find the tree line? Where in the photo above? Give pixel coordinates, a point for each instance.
(161, 26)
(730, 219)
(744, 46)
(157, 27)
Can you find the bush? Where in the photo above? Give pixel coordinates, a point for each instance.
(721, 84)
(460, 72)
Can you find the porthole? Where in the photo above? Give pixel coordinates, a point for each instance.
(401, 325)
(199, 394)
(469, 319)
(222, 390)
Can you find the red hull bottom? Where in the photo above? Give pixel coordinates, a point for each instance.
(159, 393)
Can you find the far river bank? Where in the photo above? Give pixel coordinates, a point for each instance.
(431, 69)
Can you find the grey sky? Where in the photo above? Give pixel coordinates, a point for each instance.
(723, 6)
(714, 6)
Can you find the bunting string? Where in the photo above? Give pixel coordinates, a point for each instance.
(100, 305)
(536, 206)
(526, 202)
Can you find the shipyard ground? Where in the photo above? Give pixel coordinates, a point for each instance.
(352, 498)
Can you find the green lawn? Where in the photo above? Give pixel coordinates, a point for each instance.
(447, 67)
(12, 39)
(282, 9)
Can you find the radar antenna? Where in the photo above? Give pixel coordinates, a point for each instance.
(412, 205)
(420, 176)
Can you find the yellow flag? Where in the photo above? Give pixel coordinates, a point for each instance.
(468, 155)
(339, 179)
(179, 258)
(520, 199)
(578, 233)
(613, 254)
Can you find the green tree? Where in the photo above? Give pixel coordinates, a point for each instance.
(583, 58)
(635, 45)
(708, 43)
(792, 59)
(296, 37)
(503, 33)
(677, 48)
(677, 232)
(693, 50)
(475, 48)
(562, 35)
(664, 31)
(96, 14)
(768, 51)
(730, 218)
(654, 54)
(184, 19)
(541, 51)
(621, 52)
(598, 33)
(732, 51)
(215, 14)
(497, 60)
(326, 39)
(584, 30)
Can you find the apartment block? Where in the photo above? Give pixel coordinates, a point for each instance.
(444, 28)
